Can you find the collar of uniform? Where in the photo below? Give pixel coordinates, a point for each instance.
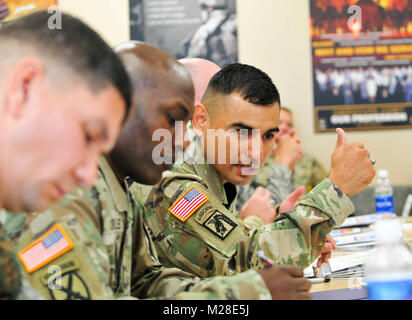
(209, 174)
(113, 184)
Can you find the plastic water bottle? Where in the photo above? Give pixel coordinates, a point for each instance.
(384, 194)
(388, 270)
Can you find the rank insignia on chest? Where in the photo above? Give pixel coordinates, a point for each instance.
(220, 225)
(45, 249)
(188, 203)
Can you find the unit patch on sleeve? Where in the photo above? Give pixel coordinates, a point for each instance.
(70, 286)
(220, 225)
(188, 203)
(48, 247)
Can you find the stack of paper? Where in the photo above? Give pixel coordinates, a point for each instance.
(365, 236)
(351, 235)
(365, 220)
(356, 240)
(345, 266)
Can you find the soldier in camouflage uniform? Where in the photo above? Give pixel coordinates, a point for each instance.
(308, 172)
(45, 156)
(191, 214)
(202, 71)
(109, 245)
(110, 255)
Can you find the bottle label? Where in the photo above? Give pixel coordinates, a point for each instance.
(384, 204)
(390, 290)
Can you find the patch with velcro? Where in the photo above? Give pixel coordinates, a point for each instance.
(219, 224)
(47, 248)
(188, 203)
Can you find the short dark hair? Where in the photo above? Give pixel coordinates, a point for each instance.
(251, 83)
(75, 46)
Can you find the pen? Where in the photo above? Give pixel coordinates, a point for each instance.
(320, 280)
(269, 262)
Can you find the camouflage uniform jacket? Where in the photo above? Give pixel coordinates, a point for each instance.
(111, 256)
(274, 177)
(9, 271)
(309, 172)
(209, 239)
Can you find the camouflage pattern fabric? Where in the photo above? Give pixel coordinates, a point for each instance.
(27, 292)
(309, 172)
(81, 273)
(214, 241)
(181, 285)
(10, 281)
(112, 257)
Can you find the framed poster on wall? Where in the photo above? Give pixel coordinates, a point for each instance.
(187, 28)
(12, 9)
(362, 64)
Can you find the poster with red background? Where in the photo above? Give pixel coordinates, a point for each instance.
(362, 64)
(13, 9)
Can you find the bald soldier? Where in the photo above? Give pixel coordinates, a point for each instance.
(191, 212)
(201, 71)
(56, 117)
(112, 257)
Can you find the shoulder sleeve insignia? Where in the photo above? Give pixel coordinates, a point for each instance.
(45, 249)
(69, 286)
(188, 203)
(219, 224)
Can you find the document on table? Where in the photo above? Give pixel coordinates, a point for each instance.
(364, 220)
(345, 266)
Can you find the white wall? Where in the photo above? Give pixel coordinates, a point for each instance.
(108, 17)
(274, 36)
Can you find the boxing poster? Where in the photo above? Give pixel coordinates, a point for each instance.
(188, 28)
(13, 9)
(361, 58)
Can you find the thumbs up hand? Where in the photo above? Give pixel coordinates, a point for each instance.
(351, 168)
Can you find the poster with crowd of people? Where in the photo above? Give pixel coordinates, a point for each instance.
(362, 70)
(12, 9)
(188, 28)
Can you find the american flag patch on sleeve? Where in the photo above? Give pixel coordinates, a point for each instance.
(45, 249)
(188, 203)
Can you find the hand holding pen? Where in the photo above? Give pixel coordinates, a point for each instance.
(269, 262)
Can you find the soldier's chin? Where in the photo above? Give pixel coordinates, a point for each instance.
(243, 175)
(246, 171)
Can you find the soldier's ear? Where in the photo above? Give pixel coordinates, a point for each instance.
(24, 77)
(200, 119)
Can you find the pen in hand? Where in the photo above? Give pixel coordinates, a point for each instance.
(268, 262)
